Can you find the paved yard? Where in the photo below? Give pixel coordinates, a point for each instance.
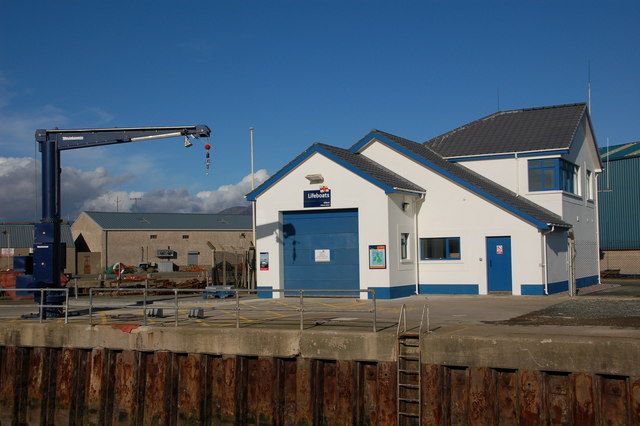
(616, 307)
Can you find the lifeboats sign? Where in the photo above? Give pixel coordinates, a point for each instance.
(318, 198)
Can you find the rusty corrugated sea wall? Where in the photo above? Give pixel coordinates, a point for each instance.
(104, 387)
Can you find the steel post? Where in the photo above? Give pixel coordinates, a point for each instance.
(301, 309)
(41, 299)
(175, 305)
(144, 307)
(237, 309)
(90, 306)
(66, 306)
(375, 312)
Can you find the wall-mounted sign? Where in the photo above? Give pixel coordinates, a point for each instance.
(7, 252)
(499, 249)
(377, 257)
(323, 255)
(264, 261)
(318, 198)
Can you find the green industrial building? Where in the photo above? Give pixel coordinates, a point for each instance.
(619, 206)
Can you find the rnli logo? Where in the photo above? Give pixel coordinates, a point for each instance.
(318, 198)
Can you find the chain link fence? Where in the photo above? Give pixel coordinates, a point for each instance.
(620, 262)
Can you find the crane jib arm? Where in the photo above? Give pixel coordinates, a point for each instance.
(48, 250)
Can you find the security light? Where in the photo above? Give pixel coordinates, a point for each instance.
(315, 178)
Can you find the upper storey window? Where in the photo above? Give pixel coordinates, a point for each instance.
(553, 174)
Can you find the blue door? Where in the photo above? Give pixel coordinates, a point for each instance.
(499, 264)
(321, 250)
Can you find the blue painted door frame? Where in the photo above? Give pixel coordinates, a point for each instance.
(335, 232)
(499, 264)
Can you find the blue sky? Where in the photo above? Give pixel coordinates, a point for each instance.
(299, 72)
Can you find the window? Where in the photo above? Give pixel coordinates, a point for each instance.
(568, 177)
(589, 185)
(153, 237)
(542, 174)
(553, 174)
(185, 237)
(404, 246)
(439, 248)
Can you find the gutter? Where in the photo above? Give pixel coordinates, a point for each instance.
(507, 153)
(422, 193)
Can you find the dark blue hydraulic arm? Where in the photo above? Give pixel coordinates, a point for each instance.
(48, 251)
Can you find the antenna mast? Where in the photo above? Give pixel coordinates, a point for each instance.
(589, 86)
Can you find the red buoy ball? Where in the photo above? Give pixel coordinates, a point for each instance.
(207, 147)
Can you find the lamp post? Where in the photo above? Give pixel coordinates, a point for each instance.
(253, 203)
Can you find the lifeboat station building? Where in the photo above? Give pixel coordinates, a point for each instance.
(506, 204)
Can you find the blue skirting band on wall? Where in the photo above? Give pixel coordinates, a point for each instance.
(265, 294)
(532, 289)
(393, 292)
(587, 281)
(558, 287)
(449, 289)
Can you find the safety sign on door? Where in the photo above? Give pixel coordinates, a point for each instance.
(323, 255)
(499, 249)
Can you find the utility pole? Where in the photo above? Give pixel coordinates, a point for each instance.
(135, 202)
(253, 205)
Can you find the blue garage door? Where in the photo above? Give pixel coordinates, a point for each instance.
(499, 264)
(321, 250)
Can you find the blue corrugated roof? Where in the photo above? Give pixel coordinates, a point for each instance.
(21, 235)
(183, 221)
(619, 152)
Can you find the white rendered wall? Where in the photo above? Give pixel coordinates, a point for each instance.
(574, 209)
(578, 210)
(450, 210)
(347, 191)
(558, 270)
(513, 174)
(401, 272)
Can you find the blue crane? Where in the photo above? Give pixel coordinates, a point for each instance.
(48, 250)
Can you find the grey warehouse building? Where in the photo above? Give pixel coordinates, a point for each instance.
(133, 238)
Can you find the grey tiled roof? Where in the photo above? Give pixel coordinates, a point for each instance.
(373, 169)
(21, 235)
(166, 221)
(478, 181)
(519, 130)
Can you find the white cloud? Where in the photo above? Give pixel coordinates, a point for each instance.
(178, 200)
(19, 178)
(98, 190)
(230, 195)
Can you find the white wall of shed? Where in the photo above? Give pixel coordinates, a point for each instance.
(449, 210)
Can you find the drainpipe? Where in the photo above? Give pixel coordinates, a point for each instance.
(545, 270)
(597, 215)
(417, 255)
(517, 176)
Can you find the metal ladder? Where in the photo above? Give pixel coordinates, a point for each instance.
(408, 370)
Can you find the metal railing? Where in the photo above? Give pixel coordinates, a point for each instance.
(176, 306)
(41, 302)
(177, 303)
(402, 320)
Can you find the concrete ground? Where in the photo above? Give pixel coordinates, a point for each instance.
(609, 306)
(319, 313)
